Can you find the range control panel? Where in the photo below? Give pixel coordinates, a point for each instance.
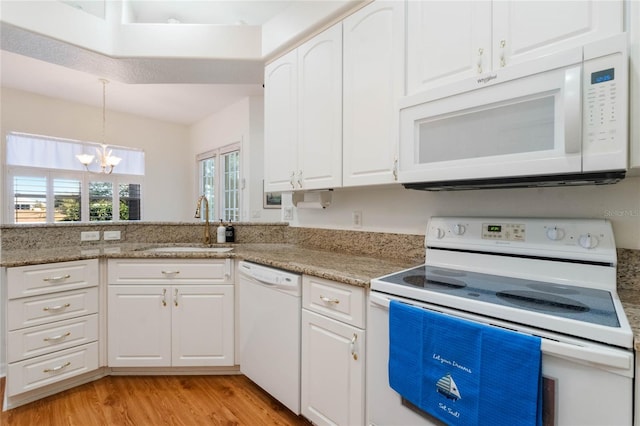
(588, 239)
(504, 231)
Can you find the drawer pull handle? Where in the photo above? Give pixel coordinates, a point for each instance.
(56, 308)
(170, 272)
(56, 338)
(54, 279)
(353, 347)
(329, 300)
(58, 368)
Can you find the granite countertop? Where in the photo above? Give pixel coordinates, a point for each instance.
(332, 265)
(344, 268)
(631, 304)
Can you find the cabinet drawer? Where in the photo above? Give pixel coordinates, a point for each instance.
(44, 339)
(336, 300)
(44, 370)
(136, 271)
(33, 280)
(39, 310)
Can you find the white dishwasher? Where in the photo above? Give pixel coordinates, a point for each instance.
(270, 303)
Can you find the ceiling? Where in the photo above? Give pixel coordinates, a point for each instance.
(177, 103)
(145, 87)
(225, 12)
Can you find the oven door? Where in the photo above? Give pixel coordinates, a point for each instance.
(584, 383)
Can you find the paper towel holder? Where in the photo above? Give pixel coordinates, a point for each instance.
(320, 199)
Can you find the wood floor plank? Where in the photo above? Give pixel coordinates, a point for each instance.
(156, 400)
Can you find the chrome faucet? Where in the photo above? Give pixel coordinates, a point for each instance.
(207, 236)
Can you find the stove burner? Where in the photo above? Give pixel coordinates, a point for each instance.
(553, 288)
(446, 273)
(422, 281)
(542, 302)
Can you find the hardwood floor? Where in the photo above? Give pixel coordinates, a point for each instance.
(156, 400)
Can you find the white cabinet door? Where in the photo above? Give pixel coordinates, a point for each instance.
(446, 41)
(450, 41)
(524, 30)
(139, 326)
(202, 325)
(320, 111)
(280, 128)
(332, 378)
(373, 81)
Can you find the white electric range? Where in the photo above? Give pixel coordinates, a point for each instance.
(553, 278)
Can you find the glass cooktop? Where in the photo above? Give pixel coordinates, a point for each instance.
(566, 301)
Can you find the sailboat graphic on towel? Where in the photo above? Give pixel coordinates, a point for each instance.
(447, 387)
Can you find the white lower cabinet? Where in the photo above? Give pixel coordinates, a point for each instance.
(52, 324)
(173, 316)
(333, 353)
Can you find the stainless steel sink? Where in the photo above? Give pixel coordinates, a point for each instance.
(191, 249)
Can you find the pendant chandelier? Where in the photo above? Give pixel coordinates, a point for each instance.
(103, 156)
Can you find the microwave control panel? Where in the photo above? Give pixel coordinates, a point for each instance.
(605, 87)
(600, 98)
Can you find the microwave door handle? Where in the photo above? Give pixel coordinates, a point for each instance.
(573, 110)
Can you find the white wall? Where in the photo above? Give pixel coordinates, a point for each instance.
(168, 163)
(395, 209)
(241, 122)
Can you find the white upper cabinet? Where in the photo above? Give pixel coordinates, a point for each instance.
(524, 30)
(373, 81)
(320, 111)
(303, 116)
(446, 41)
(449, 41)
(281, 125)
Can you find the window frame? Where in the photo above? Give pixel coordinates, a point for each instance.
(84, 177)
(216, 208)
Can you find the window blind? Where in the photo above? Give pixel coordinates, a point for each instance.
(54, 153)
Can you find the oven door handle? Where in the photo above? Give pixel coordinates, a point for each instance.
(603, 357)
(379, 301)
(592, 355)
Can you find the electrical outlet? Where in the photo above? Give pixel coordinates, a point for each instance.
(357, 219)
(90, 236)
(287, 213)
(111, 235)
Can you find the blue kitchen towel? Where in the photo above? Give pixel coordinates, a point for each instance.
(461, 372)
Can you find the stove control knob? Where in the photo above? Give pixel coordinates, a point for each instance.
(439, 233)
(588, 241)
(459, 229)
(555, 233)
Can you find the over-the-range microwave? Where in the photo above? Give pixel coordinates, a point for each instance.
(558, 120)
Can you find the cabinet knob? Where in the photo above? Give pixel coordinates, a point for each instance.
(354, 354)
(480, 52)
(59, 278)
(300, 179)
(58, 368)
(58, 337)
(395, 169)
(329, 300)
(56, 308)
